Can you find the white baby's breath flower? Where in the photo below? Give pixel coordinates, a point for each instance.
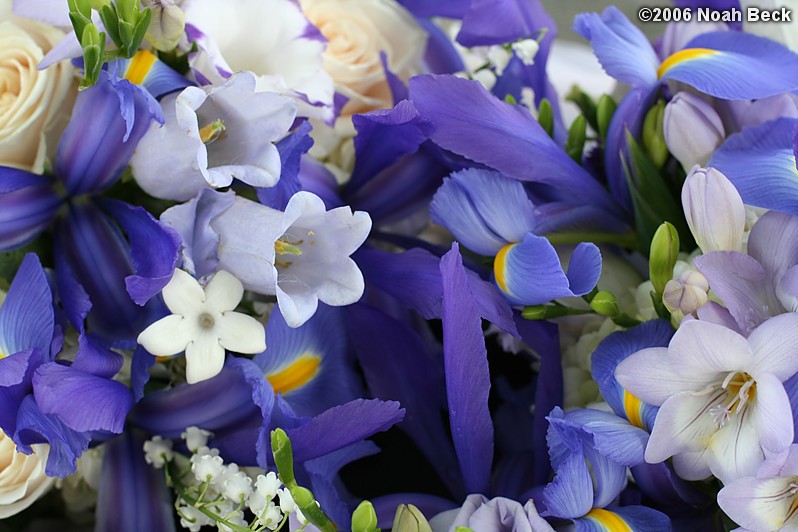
(203, 324)
(526, 50)
(157, 451)
(196, 438)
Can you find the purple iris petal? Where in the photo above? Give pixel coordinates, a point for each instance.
(17, 372)
(473, 123)
(316, 178)
(26, 316)
(343, 425)
(192, 220)
(291, 149)
(140, 371)
(383, 137)
(99, 258)
(28, 203)
(153, 249)
(132, 494)
(66, 393)
(107, 122)
(440, 8)
(328, 489)
(733, 70)
(760, 163)
(414, 277)
(467, 376)
(570, 494)
(643, 519)
(620, 47)
(95, 358)
(490, 22)
(397, 366)
(661, 483)
(159, 80)
(322, 340)
(73, 296)
(617, 347)
(441, 56)
(66, 445)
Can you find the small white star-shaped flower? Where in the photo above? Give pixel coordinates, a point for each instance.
(203, 324)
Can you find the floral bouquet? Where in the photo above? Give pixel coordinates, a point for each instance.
(355, 265)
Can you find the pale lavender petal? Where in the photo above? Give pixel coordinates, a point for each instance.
(771, 414)
(650, 377)
(683, 424)
(700, 350)
(757, 504)
(734, 450)
(775, 346)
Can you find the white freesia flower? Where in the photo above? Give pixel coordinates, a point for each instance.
(300, 255)
(721, 398)
(32, 102)
(22, 477)
(203, 324)
(357, 31)
(207, 139)
(271, 38)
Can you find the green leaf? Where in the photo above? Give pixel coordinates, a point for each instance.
(546, 116)
(577, 134)
(654, 200)
(111, 21)
(604, 111)
(139, 32)
(545, 312)
(654, 135)
(586, 105)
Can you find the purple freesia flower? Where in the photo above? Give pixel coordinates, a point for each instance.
(721, 398)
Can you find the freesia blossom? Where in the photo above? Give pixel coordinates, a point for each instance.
(721, 397)
(768, 500)
(692, 129)
(714, 210)
(22, 477)
(203, 324)
(207, 141)
(300, 255)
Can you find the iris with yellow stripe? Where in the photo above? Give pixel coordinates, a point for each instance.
(682, 56)
(297, 374)
(607, 520)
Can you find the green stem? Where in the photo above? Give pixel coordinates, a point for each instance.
(627, 241)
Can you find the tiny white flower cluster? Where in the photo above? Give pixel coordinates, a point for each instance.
(218, 494)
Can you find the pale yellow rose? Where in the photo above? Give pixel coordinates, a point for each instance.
(22, 477)
(357, 31)
(34, 104)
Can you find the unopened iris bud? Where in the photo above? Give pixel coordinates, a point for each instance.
(364, 518)
(714, 210)
(167, 25)
(653, 135)
(692, 129)
(663, 256)
(283, 456)
(606, 304)
(408, 518)
(686, 293)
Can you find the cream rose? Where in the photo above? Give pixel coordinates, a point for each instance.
(22, 477)
(357, 31)
(33, 103)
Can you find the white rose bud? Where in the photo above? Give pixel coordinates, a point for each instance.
(34, 104)
(22, 477)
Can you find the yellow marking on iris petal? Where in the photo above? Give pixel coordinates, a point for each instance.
(139, 66)
(612, 522)
(500, 267)
(632, 406)
(681, 56)
(296, 375)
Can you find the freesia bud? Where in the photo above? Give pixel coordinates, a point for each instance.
(167, 25)
(686, 293)
(364, 519)
(692, 129)
(714, 210)
(606, 304)
(408, 518)
(663, 256)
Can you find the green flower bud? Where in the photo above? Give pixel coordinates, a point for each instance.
(364, 518)
(663, 256)
(577, 134)
(408, 518)
(283, 457)
(606, 304)
(654, 135)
